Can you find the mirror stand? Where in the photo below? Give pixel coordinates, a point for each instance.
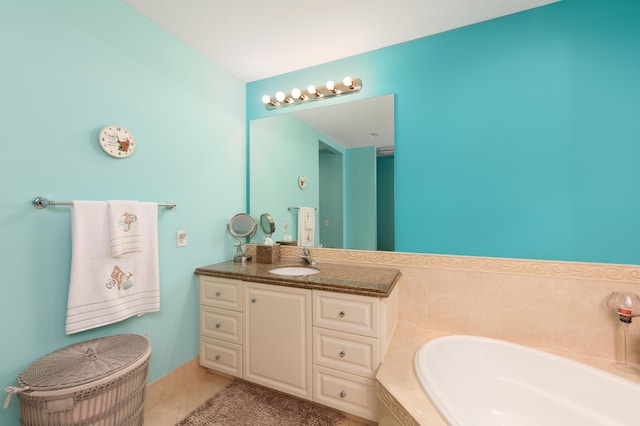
(241, 253)
(242, 226)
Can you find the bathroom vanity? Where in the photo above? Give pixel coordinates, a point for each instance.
(320, 337)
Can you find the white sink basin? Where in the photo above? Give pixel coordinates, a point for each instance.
(294, 271)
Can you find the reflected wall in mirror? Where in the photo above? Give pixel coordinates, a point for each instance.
(346, 153)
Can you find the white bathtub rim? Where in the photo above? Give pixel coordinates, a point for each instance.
(446, 408)
(443, 405)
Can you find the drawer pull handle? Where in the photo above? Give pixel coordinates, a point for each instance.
(342, 314)
(343, 394)
(218, 325)
(254, 300)
(218, 357)
(342, 354)
(218, 293)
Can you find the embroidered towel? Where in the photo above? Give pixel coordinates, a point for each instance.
(125, 228)
(306, 226)
(103, 289)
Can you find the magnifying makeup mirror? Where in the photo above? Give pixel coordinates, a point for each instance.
(242, 226)
(268, 227)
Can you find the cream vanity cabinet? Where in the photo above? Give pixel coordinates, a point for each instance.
(277, 338)
(317, 345)
(221, 325)
(351, 334)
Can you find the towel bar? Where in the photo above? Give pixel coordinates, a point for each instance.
(298, 208)
(42, 202)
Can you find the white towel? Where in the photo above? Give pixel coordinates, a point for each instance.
(103, 289)
(125, 227)
(306, 226)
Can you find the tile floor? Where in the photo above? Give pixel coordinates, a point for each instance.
(201, 387)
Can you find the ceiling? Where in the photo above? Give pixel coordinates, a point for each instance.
(365, 122)
(256, 39)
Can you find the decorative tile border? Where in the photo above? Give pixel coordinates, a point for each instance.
(395, 408)
(541, 268)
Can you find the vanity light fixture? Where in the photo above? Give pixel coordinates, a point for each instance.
(281, 97)
(297, 94)
(268, 101)
(313, 91)
(330, 89)
(331, 86)
(347, 81)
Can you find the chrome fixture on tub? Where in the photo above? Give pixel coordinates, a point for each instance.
(626, 306)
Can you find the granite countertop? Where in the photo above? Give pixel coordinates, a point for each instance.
(352, 279)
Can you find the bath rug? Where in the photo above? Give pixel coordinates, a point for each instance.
(245, 403)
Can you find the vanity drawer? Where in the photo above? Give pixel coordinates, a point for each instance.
(221, 324)
(346, 352)
(345, 392)
(221, 292)
(221, 356)
(346, 312)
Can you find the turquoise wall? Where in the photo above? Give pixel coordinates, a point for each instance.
(385, 198)
(517, 137)
(360, 205)
(331, 208)
(282, 149)
(70, 68)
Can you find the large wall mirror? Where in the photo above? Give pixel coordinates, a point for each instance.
(337, 160)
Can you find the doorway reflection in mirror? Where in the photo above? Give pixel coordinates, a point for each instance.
(350, 173)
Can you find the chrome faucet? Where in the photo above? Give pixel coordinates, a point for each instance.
(306, 257)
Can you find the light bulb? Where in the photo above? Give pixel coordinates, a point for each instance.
(331, 85)
(280, 96)
(348, 82)
(296, 93)
(266, 99)
(312, 90)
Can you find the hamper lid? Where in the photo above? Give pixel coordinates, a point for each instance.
(84, 362)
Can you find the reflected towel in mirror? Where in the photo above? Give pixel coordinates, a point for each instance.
(306, 226)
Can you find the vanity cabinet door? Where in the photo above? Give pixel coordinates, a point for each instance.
(277, 338)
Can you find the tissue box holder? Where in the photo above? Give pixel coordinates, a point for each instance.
(268, 254)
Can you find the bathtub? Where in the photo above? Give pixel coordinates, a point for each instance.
(481, 381)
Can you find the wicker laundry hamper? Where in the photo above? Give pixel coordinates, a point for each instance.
(99, 382)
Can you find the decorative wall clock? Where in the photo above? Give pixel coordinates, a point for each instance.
(117, 141)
